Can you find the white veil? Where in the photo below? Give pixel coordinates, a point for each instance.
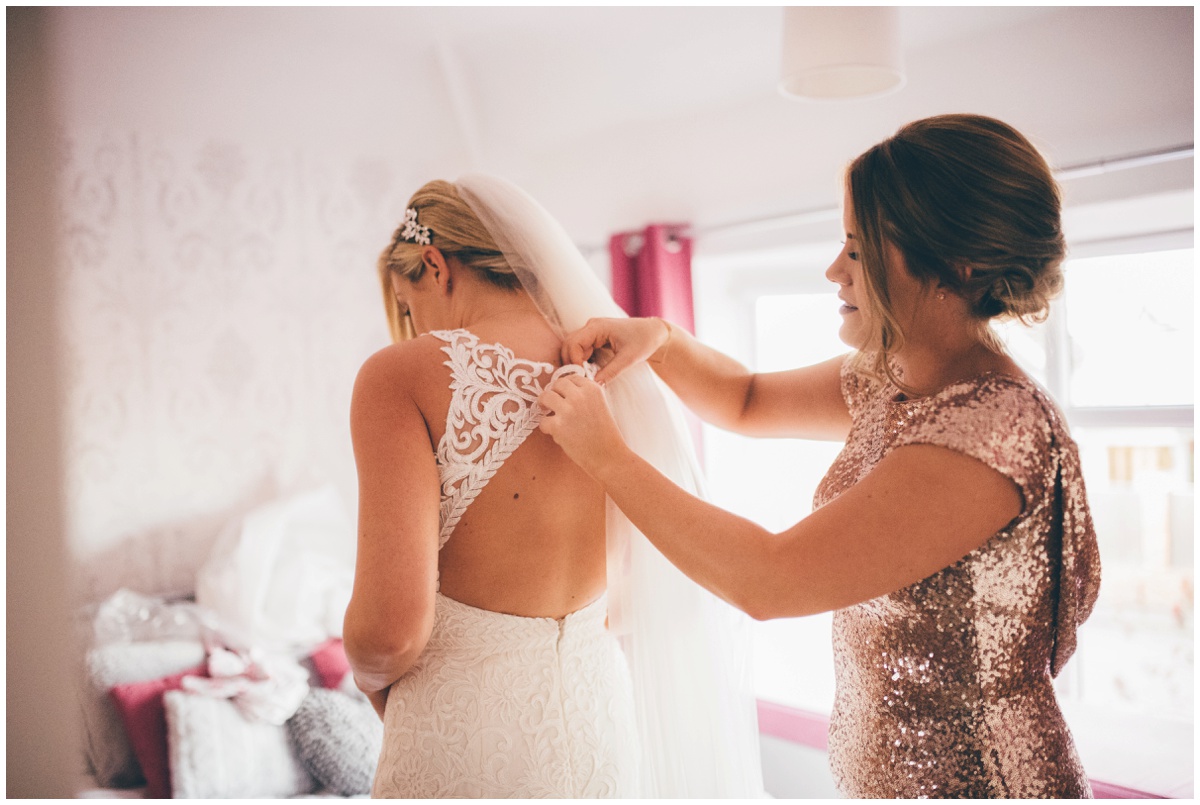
(688, 651)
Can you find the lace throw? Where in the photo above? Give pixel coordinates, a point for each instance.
(493, 409)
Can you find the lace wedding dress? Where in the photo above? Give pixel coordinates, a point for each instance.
(500, 705)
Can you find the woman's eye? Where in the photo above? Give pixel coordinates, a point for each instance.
(852, 255)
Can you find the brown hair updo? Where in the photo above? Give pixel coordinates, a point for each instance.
(455, 231)
(953, 192)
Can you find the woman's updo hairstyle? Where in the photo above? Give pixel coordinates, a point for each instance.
(456, 232)
(958, 192)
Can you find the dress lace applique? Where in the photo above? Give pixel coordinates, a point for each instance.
(493, 409)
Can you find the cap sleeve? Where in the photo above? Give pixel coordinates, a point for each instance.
(999, 422)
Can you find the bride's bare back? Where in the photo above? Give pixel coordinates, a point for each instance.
(531, 541)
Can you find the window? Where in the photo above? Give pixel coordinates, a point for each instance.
(774, 317)
(1117, 354)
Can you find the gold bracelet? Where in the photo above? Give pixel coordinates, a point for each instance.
(665, 348)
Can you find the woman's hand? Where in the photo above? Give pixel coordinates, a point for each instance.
(631, 341)
(581, 424)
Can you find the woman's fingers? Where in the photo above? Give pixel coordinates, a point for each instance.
(579, 345)
(579, 421)
(551, 400)
(554, 400)
(628, 340)
(576, 348)
(554, 397)
(621, 360)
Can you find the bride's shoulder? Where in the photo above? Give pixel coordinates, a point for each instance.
(403, 366)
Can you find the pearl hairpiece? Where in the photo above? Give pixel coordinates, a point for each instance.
(412, 231)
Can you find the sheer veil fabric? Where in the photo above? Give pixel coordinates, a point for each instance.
(688, 651)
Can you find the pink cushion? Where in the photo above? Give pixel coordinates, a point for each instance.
(330, 663)
(140, 705)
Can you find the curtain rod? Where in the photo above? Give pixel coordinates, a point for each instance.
(820, 215)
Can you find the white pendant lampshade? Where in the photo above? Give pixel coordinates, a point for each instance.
(841, 52)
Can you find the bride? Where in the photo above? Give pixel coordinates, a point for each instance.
(516, 634)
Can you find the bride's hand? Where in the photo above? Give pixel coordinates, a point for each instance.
(581, 424)
(631, 341)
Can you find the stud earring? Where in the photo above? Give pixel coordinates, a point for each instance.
(941, 296)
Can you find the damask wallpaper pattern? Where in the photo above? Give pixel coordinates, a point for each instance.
(218, 302)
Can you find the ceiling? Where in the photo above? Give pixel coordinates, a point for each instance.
(616, 116)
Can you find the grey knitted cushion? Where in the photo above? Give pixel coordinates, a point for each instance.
(338, 738)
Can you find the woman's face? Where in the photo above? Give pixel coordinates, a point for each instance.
(846, 272)
(909, 296)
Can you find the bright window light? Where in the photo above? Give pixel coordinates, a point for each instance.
(1130, 322)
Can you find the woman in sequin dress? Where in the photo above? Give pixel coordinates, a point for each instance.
(951, 536)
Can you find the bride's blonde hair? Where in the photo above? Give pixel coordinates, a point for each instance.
(456, 232)
(952, 192)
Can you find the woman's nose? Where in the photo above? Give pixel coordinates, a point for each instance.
(836, 273)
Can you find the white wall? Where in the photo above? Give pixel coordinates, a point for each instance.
(219, 289)
(219, 299)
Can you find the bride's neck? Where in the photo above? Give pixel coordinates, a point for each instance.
(488, 304)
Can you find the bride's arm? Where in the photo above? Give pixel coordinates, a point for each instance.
(390, 614)
(803, 403)
(921, 509)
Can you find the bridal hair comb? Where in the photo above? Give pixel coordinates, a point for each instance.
(412, 231)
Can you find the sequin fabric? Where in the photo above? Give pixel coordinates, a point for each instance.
(944, 688)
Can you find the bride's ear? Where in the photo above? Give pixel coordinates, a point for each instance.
(437, 268)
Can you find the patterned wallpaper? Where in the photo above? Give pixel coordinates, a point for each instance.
(218, 302)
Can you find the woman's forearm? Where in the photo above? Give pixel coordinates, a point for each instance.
(805, 402)
(800, 403)
(712, 384)
(719, 550)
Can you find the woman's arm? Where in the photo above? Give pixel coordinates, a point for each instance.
(920, 510)
(805, 403)
(390, 614)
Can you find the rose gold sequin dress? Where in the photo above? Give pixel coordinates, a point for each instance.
(944, 687)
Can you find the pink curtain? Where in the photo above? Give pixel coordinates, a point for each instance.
(652, 276)
(652, 273)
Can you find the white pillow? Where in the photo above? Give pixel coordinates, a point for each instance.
(282, 575)
(108, 750)
(216, 753)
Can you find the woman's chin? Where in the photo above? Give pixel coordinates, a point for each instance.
(852, 336)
